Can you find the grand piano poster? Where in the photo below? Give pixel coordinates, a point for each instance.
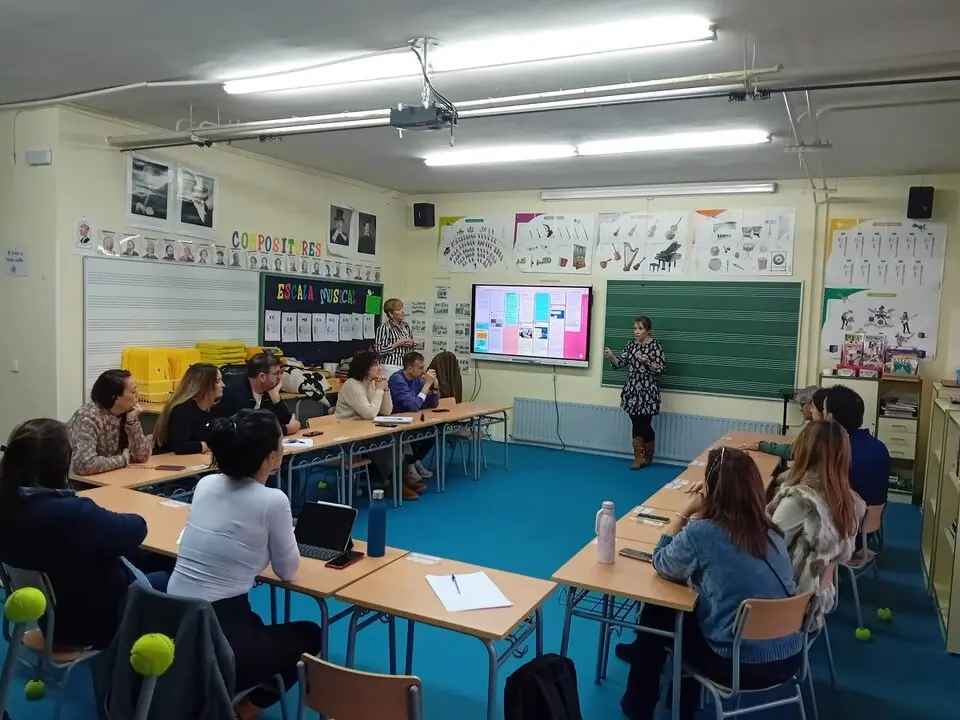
(636, 245)
(755, 242)
(553, 244)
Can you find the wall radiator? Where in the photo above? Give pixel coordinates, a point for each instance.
(605, 429)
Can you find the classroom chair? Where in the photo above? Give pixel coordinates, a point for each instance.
(345, 470)
(150, 667)
(865, 558)
(346, 694)
(761, 620)
(462, 440)
(23, 608)
(828, 579)
(51, 663)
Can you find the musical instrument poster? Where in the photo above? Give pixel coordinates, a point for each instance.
(561, 244)
(642, 245)
(736, 243)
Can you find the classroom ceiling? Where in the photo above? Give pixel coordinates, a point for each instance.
(56, 47)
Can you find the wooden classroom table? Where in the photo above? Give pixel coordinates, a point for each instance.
(155, 408)
(632, 580)
(134, 476)
(166, 520)
(400, 590)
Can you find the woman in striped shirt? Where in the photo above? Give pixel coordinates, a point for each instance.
(394, 338)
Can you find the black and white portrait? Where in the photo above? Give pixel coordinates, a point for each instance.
(148, 192)
(367, 243)
(340, 219)
(128, 246)
(196, 199)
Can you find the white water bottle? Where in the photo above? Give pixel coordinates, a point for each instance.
(606, 529)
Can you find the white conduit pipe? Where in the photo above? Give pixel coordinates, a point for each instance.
(844, 107)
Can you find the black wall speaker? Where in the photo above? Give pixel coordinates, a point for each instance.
(920, 203)
(423, 215)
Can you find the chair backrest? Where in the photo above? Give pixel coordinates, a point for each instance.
(347, 694)
(448, 402)
(16, 578)
(873, 519)
(321, 420)
(771, 619)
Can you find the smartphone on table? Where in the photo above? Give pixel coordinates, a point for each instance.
(344, 559)
(635, 554)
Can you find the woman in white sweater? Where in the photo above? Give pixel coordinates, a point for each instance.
(363, 396)
(236, 528)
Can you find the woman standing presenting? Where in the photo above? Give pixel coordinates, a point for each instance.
(394, 338)
(640, 398)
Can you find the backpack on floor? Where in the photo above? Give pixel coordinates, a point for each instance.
(543, 689)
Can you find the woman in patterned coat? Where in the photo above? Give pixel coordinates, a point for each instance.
(640, 398)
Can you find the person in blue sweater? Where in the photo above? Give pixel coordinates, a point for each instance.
(412, 389)
(869, 457)
(46, 527)
(723, 544)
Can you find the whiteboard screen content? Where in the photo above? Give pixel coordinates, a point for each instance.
(532, 324)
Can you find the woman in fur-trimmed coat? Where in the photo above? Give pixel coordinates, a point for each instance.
(817, 511)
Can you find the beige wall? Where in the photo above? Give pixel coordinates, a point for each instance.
(28, 305)
(855, 198)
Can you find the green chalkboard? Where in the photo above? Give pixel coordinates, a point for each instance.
(720, 338)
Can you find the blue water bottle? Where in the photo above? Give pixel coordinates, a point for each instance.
(377, 526)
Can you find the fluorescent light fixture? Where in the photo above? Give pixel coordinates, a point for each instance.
(543, 46)
(675, 141)
(651, 191)
(500, 154)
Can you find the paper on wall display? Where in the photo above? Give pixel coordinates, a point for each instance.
(438, 345)
(305, 327)
(441, 309)
(642, 245)
(897, 254)
(418, 326)
(441, 291)
(553, 243)
(461, 347)
(906, 318)
(357, 326)
(16, 262)
(461, 310)
(271, 326)
(369, 327)
(346, 327)
(288, 327)
(474, 244)
(732, 242)
(416, 308)
(332, 333)
(319, 323)
(466, 365)
(440, 329)
(461, 329)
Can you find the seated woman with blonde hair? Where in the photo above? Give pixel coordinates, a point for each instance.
(183, 426)
(816, 509)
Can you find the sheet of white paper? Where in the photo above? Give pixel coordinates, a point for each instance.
(271, 326)
(358, 326)
(172, 503)
(319, 327)
(346, 326)
(288, 323)
(304, 327)
(333, 328)
(298, 442)
(369, 327)
(471, 591)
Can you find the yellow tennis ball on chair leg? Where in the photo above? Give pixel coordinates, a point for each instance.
(34, 690)
(25, 605)
(884, 613)
(863, 634)
(152, 655)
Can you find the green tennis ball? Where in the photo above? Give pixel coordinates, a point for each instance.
(152, 654)
(863, 634)
(884, 613)
(25, 605)
(34, 690)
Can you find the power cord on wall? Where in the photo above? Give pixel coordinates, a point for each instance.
(477, 381)
(556, 405)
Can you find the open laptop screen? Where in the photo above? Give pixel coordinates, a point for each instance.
(325, 525)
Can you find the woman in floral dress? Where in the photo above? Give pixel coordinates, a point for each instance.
(640, 398)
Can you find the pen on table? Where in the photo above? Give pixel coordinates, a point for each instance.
(455, 583)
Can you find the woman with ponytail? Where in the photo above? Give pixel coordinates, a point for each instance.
(236, 528)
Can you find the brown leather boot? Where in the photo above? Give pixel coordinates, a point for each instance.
(650, 452)
(409, 493)
(639, 454)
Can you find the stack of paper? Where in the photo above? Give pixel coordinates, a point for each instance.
(393, 420)
(467, 591)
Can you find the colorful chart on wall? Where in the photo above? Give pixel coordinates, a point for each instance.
(560, 244)
(474, 244)
(906, 318)
(641, 245)
(886, 254)
(737, 243)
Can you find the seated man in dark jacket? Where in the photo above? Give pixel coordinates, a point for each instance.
(46, 527)
(415, 388)
(259, 390)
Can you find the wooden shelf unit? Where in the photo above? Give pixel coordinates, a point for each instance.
(940, 507)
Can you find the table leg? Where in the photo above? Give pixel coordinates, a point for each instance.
(491, 680)
(348, 500)
(567, 621)
(539, 631)
(677, 665)
(476, 448)
(273, 605)
(601, 640)
(505, 459)
(392, 627)
(408, 669)
(352, 638)
(442, 458)
(397, 471)
(286, 605)
(289, 479)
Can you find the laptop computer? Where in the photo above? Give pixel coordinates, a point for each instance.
(323, 530)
